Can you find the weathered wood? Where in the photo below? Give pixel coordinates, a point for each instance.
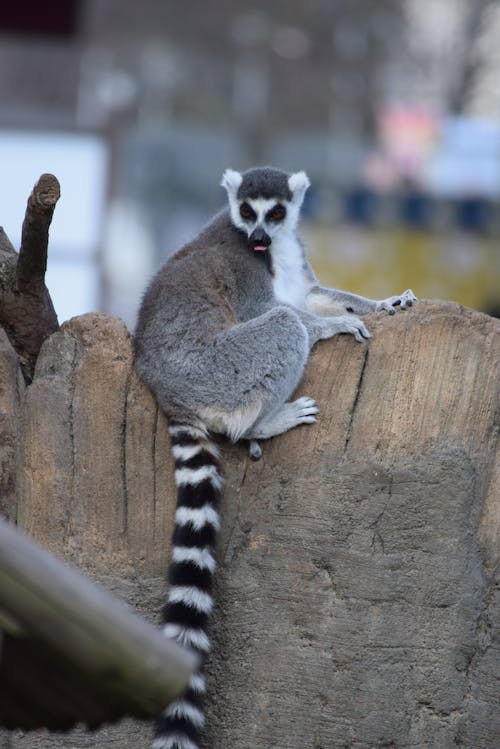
(11, 396)
(357, 590)
(125, 662)
(360, 557)
(95, 454)
(6, 248)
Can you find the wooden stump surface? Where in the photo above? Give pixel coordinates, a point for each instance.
(357, 594)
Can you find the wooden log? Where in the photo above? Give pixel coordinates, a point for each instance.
(32, 262)
(122, 663)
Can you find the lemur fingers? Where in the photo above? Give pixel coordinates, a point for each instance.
(331, 326)
(404, 301)
(306, 410)
(360, 333)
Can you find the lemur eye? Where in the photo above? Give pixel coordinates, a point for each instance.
(247, 212)
(277, 213)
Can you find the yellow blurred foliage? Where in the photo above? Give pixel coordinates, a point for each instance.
(379, 262)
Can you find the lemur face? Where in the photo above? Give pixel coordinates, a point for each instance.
(264, 202)
(261, 219)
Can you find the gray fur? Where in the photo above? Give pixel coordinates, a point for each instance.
(264, 182)
(222, 338)
(224, 331)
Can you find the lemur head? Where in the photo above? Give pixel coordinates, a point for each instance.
(264, 202)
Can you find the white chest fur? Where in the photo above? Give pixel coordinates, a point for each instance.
(290, 281)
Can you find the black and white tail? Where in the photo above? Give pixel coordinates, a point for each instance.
(186, 614)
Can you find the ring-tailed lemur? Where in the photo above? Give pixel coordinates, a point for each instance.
(223, 334)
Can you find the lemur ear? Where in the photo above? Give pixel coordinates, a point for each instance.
(298, 184)
(231, 180)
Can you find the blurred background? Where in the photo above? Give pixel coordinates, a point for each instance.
(137, 106)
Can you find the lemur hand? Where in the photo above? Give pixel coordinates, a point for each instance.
(405, 300)
(331, 326)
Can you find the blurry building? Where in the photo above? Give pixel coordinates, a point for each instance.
(156, 98)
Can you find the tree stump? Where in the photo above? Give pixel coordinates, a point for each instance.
(357, 595)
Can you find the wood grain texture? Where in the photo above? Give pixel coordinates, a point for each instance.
(11, 396)
(357, 594)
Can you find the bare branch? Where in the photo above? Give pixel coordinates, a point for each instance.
(32, 262)
(26, 310)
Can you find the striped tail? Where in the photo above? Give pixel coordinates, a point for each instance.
(186, 615)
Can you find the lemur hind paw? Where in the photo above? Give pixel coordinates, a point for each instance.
(305, 410)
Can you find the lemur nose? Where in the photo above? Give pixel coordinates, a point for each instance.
(260, 239)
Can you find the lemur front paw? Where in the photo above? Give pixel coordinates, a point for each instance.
(404, 300)
(348, 324)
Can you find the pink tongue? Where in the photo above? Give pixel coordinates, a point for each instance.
(260, 248)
